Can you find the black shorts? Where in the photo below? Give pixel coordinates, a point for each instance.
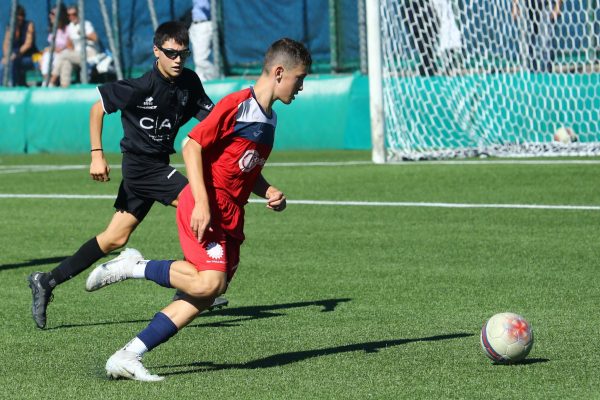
(147, 179)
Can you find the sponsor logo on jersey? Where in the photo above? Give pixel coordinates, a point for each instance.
(148, 104)
(249, 160)
(214, 250)
(149, 123)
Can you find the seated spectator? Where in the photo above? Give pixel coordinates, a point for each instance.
(61, 43)
(72, 56)
(23, 49)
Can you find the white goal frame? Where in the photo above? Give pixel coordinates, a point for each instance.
(491, 134)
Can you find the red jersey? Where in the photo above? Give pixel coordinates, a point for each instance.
(236, 138)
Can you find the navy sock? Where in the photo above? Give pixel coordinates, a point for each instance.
(158, 271)
(158, 331)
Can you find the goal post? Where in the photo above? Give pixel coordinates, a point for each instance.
(455, 78)
(375, 82)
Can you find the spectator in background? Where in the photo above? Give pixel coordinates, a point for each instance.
(422, 22)
(201, 35)
(72, 56)
(23, 48)
(450, 47)
(61, 43)
(535, 19)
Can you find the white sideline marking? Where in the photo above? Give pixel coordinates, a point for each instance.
(56, 196)
(317, 163)
(333, 203)
(440, 205)
(11, 169)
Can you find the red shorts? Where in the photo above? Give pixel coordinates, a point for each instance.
(217, 251)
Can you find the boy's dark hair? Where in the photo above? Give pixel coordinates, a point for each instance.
(288, 52)
(171, 30)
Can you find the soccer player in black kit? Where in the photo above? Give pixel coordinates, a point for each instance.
(153, 108)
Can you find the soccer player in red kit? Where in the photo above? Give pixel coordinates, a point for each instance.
(224, 159)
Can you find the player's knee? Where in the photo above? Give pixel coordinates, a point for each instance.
(113, 242)
(204, 291)
(207, 288)
(120, 241)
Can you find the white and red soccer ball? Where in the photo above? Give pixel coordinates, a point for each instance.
(506, 338)
(565, 135)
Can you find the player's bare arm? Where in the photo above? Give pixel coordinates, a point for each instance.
(99, 168)
(192, 156)
(276, 200)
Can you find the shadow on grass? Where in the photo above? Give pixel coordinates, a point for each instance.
(526, 361)
(281, 359)
(259, 312)
(42, 261)
(242, 314)
(67, 326)
(32, 263)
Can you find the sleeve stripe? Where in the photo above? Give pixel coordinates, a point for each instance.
(101, 99)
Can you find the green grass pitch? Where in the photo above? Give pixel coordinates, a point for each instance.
(331, 301)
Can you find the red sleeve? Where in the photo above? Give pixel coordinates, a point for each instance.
(219, 123)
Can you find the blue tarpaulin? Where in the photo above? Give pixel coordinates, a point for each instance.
(249, 26)
(247, 29)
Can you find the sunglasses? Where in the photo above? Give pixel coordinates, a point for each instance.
(72, 14)
(173, 54)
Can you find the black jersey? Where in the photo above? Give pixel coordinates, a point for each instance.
(153, 109)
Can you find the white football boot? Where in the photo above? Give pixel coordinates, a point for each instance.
(115, 270)
(127, 364)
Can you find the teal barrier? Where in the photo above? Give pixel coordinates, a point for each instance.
(13, 114)
(58, 121)
(332, 112)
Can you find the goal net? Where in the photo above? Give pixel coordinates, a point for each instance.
(467, 78)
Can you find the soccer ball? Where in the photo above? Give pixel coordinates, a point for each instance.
(506, 338)
(565, 135)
